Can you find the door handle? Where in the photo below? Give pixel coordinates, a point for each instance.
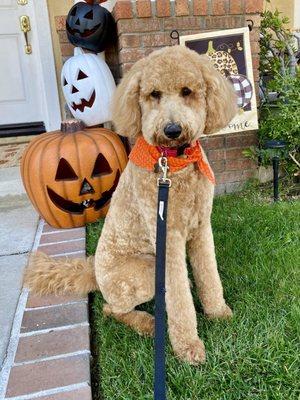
(25, 28)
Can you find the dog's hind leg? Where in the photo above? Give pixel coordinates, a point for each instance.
(126, 282)
(141, 321)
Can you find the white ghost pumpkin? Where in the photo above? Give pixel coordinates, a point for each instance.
(88, 86)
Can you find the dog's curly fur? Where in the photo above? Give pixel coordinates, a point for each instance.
(125, 256)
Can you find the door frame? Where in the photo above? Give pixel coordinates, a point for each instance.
(51, 105)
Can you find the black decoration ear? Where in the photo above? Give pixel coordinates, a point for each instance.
(101, 167)
(65, 172)
(73, 12)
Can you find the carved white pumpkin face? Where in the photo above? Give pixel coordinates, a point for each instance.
(88, 86)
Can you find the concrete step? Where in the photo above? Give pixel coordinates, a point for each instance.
(11, 182)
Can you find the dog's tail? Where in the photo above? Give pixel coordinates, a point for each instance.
(45, 275)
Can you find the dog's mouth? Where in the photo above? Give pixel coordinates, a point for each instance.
(78, 208)
(162, 140)
(84, 103)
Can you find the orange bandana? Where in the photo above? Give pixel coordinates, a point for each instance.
(146, 156)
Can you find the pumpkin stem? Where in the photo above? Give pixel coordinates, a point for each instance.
(71, 125)
(210, 49)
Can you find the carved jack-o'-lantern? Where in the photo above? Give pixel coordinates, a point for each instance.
(90, 26)
(70, 175)
(88, 86)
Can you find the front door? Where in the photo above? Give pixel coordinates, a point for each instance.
(21, 94)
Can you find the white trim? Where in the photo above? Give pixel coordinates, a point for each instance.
(60, 231)
(51, 358)
(49, 392)
(55, 305)
(55, 329)
(51, 106)
(62, 241)
(68, 254)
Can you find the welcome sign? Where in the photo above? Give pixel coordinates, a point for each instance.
(230, 52)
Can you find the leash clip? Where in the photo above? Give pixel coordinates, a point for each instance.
(163, 166)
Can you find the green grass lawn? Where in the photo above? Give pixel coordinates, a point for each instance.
(254, 356)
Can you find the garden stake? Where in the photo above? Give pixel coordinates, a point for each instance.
(163, 184)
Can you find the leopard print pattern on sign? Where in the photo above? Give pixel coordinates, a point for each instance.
(222, 60)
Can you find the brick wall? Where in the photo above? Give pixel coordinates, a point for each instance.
(144, 26)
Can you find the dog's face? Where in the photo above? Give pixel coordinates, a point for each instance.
(172, 97)
(172, 102)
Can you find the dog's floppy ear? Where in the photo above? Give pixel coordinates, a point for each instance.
(126, 113)
(220, 97)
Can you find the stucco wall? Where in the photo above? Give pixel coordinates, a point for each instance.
(290, 8)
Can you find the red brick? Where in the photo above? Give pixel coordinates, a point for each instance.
(200, 7)
(35, 301)
(255, 47)
(182, 23)
(163, 8)
(131, 55)
(62, 235)
(236, 7)
(54, 343)
(157, 39)
(30, 378)
(213, 142)
(47, 318)
(237, 165)
(143, 8)
(229, 176)
(254, 6)
(79, 394)
(139, 25)
(214, 155)
(218, 166)
(234, 154)
(122, 10)
(255, 61)
(241, 140)
(182, 7)
(133, 40)
(219, 22)
(67, 49)
(60, 22)
(256, 20)
(218, 7)
(126, 67)
(62, 248)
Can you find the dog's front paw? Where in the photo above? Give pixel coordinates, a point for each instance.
(192, 352)
(223, 313)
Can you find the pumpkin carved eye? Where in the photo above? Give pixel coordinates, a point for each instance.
(65, 82)
(81, 75)
(65, 172)
(89, 15)
(101, 166)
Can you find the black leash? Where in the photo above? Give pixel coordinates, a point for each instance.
(164, 184)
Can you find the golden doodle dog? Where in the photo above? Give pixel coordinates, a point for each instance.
(170, 98)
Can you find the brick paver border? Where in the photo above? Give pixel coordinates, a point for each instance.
(49, 352)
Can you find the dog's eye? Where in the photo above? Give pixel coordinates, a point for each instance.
(156, 94)
(185, 91)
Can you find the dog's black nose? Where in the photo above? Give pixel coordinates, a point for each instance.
(172, 131)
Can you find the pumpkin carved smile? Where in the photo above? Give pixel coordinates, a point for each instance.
(84, 103)
(78, 208)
